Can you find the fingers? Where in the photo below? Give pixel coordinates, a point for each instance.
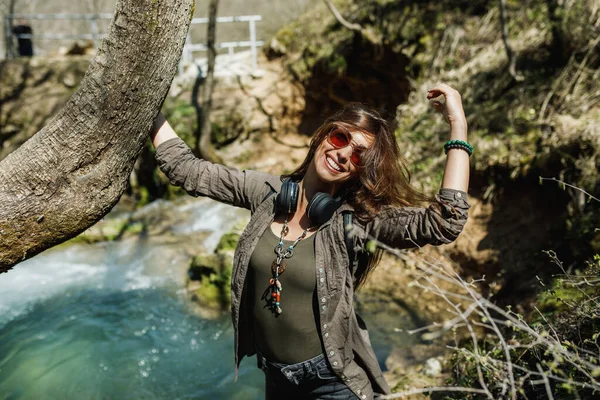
(451, 107)
(442, 89)
(438, 105)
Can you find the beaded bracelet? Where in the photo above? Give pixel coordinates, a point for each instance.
(458, 144)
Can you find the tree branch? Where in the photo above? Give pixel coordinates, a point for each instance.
(340, 18)
(204, 145)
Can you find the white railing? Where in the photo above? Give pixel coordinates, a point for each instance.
(190, 47)
(95, 36)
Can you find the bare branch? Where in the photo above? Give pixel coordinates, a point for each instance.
(571, 186)
(433, 389)
(341, 19)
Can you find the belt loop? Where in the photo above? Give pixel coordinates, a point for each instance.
(308, 367)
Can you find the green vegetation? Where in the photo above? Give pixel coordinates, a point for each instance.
(228, 242)
(557, 342)
(210, 275)
(181, 114)
(543, 125)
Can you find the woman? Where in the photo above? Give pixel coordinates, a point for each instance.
(293, 280)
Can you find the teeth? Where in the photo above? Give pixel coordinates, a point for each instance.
(333, 164)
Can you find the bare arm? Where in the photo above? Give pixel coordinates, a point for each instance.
(161, 131)
(456, 171)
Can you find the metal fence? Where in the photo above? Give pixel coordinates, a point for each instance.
(96, 36)
(190, 48)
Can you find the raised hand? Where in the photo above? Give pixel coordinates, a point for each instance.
(451, 108)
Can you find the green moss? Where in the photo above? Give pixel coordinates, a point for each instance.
(108, 230)
(212, 274)
(243, 157)
(152, 17)
(228, 242)
(336, 64)
(205, 264)
(144, 196)
(208, 294)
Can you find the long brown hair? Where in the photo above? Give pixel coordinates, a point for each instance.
(383, 179)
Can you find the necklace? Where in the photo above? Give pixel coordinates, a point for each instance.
(278, 268)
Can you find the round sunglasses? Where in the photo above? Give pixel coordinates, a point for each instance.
(340, 138)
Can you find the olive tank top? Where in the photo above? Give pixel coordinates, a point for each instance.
(292, 336)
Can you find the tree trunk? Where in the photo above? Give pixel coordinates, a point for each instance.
(10, 47)
(558, 48)
(73, 171)
(204, 145)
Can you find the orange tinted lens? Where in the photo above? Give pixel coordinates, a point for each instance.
(339, 139)
(355, 157)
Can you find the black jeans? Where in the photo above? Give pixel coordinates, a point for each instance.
(310, 379)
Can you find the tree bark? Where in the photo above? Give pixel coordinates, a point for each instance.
(73, 171)
(204, 145)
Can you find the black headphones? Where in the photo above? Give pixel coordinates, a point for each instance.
(320, 208)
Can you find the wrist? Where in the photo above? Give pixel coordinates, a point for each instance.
(458, 130)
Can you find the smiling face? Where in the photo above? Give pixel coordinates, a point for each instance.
(333, 165)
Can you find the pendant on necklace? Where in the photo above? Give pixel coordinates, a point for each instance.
(279, 269)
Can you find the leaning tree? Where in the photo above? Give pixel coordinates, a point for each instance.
(72, 172)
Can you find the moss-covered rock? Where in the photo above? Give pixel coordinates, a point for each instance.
(228, 242)
(210, 276)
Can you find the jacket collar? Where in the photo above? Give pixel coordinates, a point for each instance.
(274, 182)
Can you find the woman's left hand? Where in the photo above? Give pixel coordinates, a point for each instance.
(452, 110)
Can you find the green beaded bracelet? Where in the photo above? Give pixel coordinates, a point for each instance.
(458, 144)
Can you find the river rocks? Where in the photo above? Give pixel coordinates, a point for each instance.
(432, 367)
(209, 278)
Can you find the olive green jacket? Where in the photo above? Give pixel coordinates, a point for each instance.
(343, 334)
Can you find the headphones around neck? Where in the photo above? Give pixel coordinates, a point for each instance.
(320, 208)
